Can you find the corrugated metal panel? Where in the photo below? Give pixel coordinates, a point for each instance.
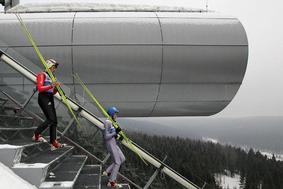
(60, 54)
(204, 64)
(133, 109)
(11, 34)
(197, 92)
(122, 92)
(45, 31)
(205, 108)
(115, 15)
(200, 15)
(128, 109)
(204, 57)
(118, 64)
(116, 31)
(203, 31)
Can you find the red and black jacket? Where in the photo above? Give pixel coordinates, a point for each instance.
(44, 83)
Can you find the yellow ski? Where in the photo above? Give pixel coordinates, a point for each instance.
(53, 78)
(76, 76)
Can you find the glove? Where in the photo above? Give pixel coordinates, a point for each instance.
(55, 90)
(118, 130)
(119, 137)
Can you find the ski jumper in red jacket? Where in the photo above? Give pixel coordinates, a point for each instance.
(47, 90)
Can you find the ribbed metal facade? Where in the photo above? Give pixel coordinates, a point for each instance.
(147, 64)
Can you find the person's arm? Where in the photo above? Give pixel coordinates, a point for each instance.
(40, 83)
(118, 129)
(55, 90)
(107, 134)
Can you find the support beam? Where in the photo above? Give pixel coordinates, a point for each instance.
(152, 178)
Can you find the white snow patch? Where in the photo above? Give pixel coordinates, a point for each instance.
(9, 179)
(278, 157)
(227, 181)
(63, 6)
(212, 140)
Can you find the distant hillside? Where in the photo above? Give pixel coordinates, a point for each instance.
(200, 161)
(264, 133)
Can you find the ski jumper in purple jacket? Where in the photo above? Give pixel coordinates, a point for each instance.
(114, 150)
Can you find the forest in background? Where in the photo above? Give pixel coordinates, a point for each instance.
(196, 160)
(199, 161)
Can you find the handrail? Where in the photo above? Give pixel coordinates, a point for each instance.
(98, 123)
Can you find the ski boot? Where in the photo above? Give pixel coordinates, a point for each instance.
(105, 174)
(56, 145)
(38, 138)
(114, 184)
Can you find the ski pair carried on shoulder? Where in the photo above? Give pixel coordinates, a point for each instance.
(121, 136)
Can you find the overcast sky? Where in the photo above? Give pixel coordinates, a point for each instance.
(261, 93)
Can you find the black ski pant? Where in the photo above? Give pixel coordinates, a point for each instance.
(46, 103)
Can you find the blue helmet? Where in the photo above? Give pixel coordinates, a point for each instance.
(112, 110)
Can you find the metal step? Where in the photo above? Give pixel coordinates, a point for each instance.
(15, 120)
(64, 175)
(34, 150)
(28, 147)
(89, 178)
(22, 139)
(34, 169)
(11, 152)
(126, 186)
(16, 133)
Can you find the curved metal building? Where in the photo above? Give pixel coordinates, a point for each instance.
(145, 63)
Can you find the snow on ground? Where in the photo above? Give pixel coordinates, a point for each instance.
(227, 181)
(278, 157)
(9, 179)
(100, 5)
(208, 139)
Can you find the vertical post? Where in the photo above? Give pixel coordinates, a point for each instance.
(68, 126)
(21, 106)
(154, 175)
(29, 99)
(204, 185)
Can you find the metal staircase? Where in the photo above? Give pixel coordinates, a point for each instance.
(36, 163)
(61, 168)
